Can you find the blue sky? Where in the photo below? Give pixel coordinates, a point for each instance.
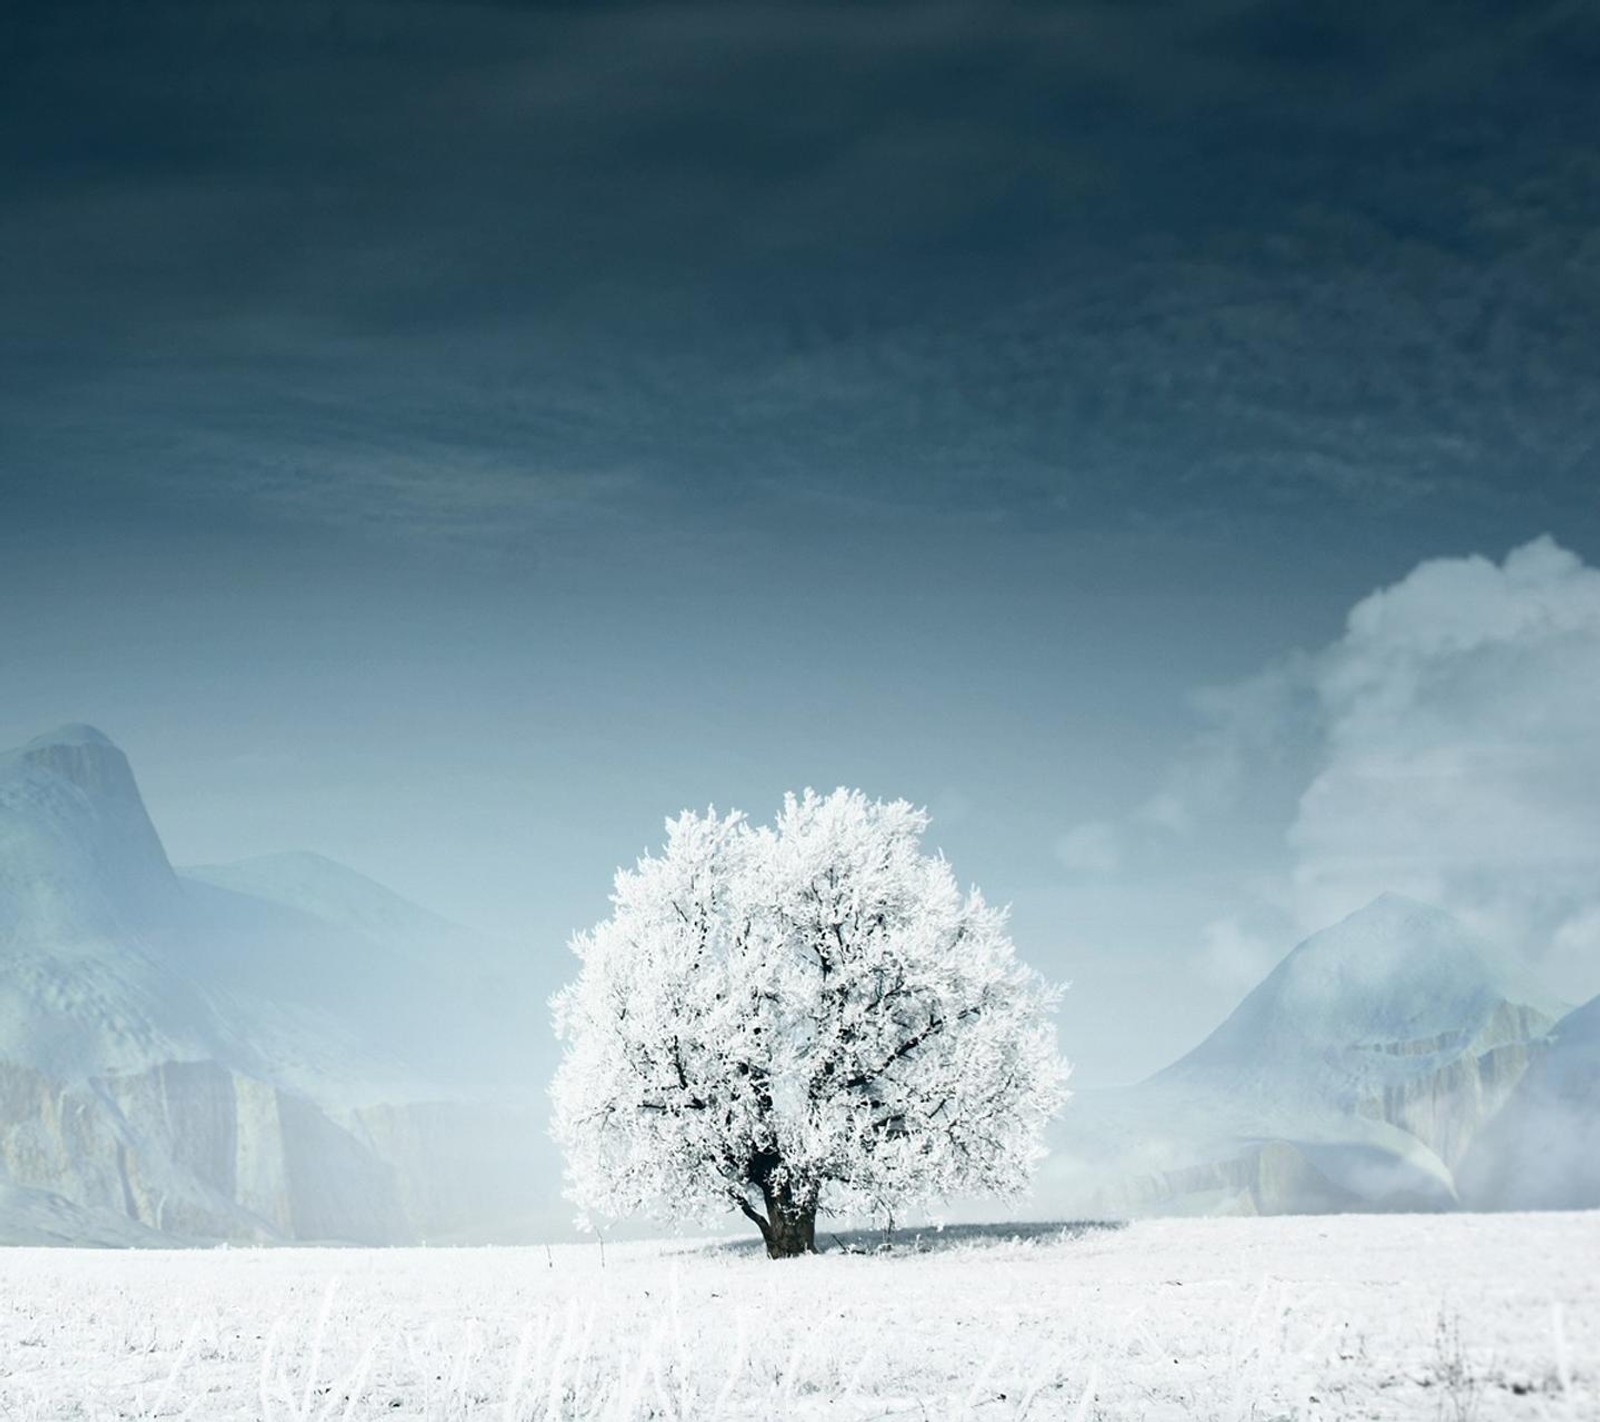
(455, 437)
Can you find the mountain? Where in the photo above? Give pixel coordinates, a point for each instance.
(89, 908)
(417, 1002)
(1542, 1152)
(1354, 1076)
(278, 1049)
(79, 857)
(1396, 1013)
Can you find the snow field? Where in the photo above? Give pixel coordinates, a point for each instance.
(1438, 1317)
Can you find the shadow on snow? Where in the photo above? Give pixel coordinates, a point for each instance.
(929, 1239)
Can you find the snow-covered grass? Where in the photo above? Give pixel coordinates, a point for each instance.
(1440, 1317)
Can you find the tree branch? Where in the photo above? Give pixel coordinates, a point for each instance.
(910, 1045)
(754, 1217)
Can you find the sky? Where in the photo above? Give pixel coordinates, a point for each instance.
(1160, 439)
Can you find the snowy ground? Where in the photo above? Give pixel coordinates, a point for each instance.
(1440, 1317)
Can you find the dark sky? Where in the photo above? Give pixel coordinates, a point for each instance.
(455, 436)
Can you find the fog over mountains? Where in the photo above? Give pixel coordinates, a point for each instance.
(1360, 1074)
(278, 1049)
(282, 1049)
(1543, 1150)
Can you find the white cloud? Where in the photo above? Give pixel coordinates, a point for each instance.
(1459, 749)
(1446, 745)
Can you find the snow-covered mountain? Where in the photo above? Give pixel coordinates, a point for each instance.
(1542, 1152)
(79, 857)
(90, 913)
(275, 1049)
(1356, 1075)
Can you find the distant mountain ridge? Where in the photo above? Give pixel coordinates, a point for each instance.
(275, 1049)
(1396, 974)
(282, 1049)
(1356, 1075)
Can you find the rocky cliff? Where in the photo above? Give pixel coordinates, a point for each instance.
(1542, 1152)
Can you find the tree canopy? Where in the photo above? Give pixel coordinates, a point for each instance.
(802, 1017)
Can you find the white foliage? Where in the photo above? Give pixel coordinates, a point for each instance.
(813, 1008)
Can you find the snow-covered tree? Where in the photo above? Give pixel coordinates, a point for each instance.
(805, 1017)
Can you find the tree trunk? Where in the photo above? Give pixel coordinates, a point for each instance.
(790, 1228)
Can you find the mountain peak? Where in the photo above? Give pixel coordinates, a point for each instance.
(1406, 957)
(1393, 924)
(1389, 910)
(81, 859)
(1391, 902)
(74, 733)
(80, 754)
(1397, 972)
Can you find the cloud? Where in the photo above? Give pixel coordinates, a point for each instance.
(1446, 746)
(440, 494)
(1097, 265)
(1459, 751)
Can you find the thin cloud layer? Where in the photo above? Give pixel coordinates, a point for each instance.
(1175, 266)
